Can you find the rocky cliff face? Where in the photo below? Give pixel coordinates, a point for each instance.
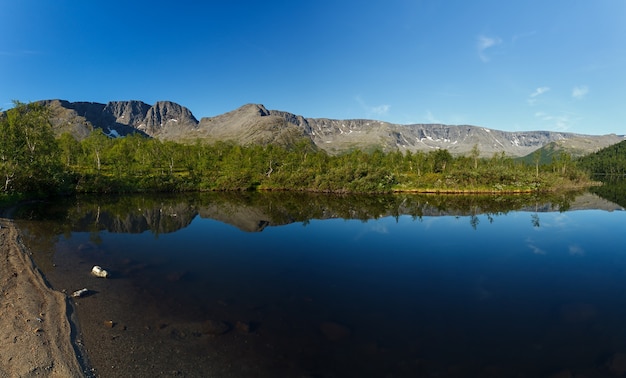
(119, 118)
(168, 119)
(336, 136)
(254, 124)
(130, 113)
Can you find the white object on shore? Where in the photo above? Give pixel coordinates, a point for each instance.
(80, 293)
(99, 272)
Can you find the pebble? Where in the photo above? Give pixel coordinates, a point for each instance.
(80, 293)
(99, 272)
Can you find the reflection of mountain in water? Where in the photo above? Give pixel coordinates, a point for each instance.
(160, 219)
(591, 201)
(252, 212)
(245, 218)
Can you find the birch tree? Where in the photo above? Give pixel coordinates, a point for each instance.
(29, 153)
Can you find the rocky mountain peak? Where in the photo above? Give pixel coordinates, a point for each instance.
(166, 114)
(131, 113)
(256, 109)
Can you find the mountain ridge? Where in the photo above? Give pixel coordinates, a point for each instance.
(255, 124)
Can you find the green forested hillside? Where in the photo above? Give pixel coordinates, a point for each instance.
(608, 161)
(546, 154)
(33, 161)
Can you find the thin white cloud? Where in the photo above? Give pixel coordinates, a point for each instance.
(430, 117)
(378, 110)
(532, 98)
(539, 91)
(557, 123)
(580, 92)
(483, 43)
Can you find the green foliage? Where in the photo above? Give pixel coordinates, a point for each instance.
(608, 161)
(140, 164)
(30, 159)
(543, 155)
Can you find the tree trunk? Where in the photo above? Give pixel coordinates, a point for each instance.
(98, 160)
(269, 173)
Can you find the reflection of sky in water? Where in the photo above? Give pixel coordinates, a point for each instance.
(508, 241)
(506, 253)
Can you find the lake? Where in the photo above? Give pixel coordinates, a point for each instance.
(302, 285)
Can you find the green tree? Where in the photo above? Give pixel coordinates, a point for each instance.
(29, 153)
(95, 146)
(71, 149)
(474, 154)
(537, 160)
(441, 158)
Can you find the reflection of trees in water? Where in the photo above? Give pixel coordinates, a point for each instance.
(168, 212)
(535, 220)
(43, 222)
(613, 189)
(474, 221)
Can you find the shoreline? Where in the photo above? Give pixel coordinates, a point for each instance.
(37, 330)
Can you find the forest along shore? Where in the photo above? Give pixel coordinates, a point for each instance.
(34, 327)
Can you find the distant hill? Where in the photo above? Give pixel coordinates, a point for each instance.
(254, 124)
(576, 147)
(610, 160)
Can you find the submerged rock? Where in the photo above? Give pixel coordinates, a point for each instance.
(243, 327)
(617, 364)
(215, 327)
(334, 331)
(109, 323)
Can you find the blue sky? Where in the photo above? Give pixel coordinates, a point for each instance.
(555, 65)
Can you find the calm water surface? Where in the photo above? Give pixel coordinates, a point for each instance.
(266, 287)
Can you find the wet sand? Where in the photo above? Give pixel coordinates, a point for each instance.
(35, 331)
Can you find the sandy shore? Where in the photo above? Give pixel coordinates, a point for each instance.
(35, 332)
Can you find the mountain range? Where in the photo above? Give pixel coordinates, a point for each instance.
(254, 124)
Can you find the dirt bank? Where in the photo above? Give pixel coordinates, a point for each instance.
(35, 333)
